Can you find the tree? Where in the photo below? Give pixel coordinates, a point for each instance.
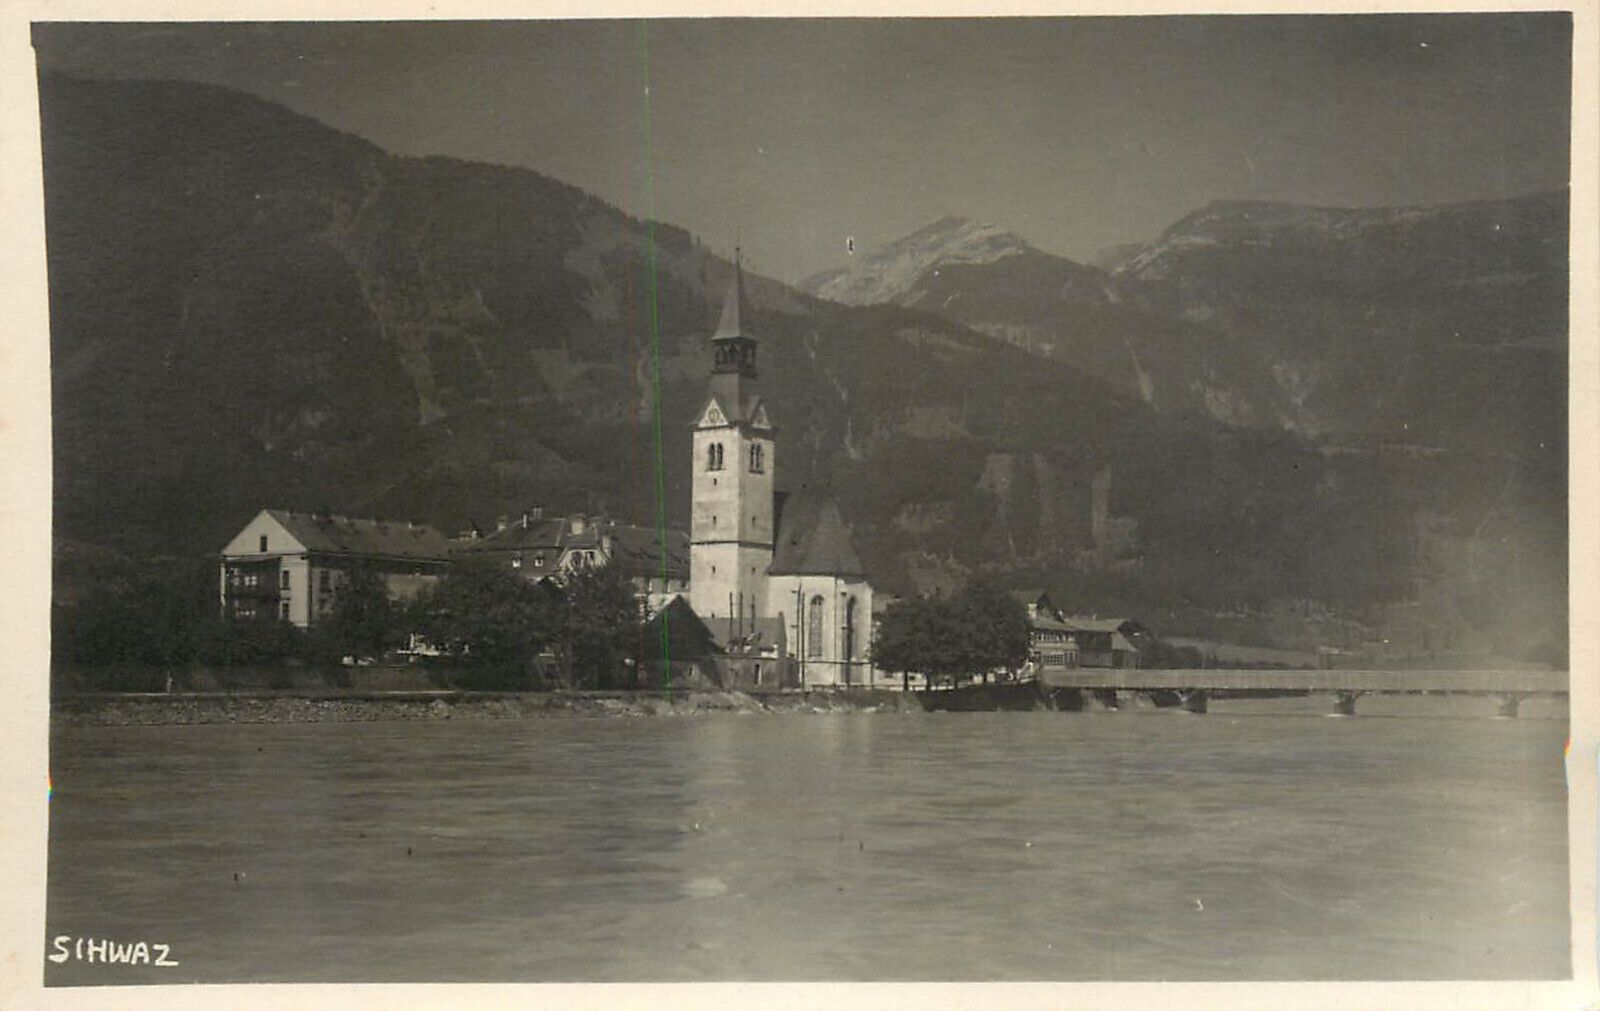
(998, 625)
(600, 619)
(364, 621)
(134, 628)
(979, 629)
(901, 643)
(487, 617)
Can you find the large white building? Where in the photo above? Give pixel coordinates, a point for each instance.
(288, 566)
(754, 552)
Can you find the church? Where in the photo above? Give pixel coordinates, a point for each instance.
(759, 557)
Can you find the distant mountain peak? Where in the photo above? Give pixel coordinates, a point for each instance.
(887, 273)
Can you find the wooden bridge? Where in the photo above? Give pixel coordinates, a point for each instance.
(1194, 688)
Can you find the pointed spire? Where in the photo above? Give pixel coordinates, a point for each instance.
(736, 308)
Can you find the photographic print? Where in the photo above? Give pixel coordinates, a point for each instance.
(1071, 499)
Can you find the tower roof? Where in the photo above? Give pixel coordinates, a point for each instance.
(735, 308)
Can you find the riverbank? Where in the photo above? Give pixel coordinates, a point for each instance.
(124, 709)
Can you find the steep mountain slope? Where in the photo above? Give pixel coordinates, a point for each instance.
(249, 308)
(994, 282)
(1442, 326)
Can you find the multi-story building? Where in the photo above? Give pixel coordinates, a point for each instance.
(536, 546)
(288, 566)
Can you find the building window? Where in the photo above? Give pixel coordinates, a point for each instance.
(849, 629)
(283, 581)
(756, 461)
(516, 563)
(283, 610)
(814, 628)
(324, 580)
(263, 543)
(713, 458)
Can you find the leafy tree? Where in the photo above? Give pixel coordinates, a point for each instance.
(364, 620)
(997, 627)
(905, 640)
(486, 616)
(600, 619)
(135, 627)
(249, 642)
(968, 635)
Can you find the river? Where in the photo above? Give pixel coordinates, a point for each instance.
(1151, 845)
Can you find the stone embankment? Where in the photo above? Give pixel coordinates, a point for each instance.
(122, 709)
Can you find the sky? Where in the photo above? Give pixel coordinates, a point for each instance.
(791, 137)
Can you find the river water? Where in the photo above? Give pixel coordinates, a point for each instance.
(1149, 845)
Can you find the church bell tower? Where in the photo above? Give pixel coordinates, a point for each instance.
(730, 530)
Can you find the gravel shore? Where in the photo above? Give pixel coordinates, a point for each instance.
(179, 708)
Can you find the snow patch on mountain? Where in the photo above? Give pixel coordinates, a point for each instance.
(889, 273)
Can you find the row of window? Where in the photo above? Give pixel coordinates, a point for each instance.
(249, 611)
(757, 457)
(253, 579)
(816, 629)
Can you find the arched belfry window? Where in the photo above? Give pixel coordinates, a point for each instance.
(714, 456)
(814, 628)
(757, 458)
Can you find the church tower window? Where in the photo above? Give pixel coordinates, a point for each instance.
(714, 456)
(757, 463)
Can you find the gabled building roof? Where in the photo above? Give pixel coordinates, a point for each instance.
(1038, 602)
(527, 535)
(1049, 623)
(812, 539)
(637, 550)
(1082, 624)
(342, 535)
(677, 633)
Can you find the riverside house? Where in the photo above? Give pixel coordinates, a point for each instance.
(288, 566)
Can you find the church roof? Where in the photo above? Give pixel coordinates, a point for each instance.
(812, 539)
(735, 309)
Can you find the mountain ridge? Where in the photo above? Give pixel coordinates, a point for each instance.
(250, 308)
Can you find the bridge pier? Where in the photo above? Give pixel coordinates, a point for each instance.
(1194, 700)
(1107, 697)
(1344, 703)
(1508, 706)
(1065, 699)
